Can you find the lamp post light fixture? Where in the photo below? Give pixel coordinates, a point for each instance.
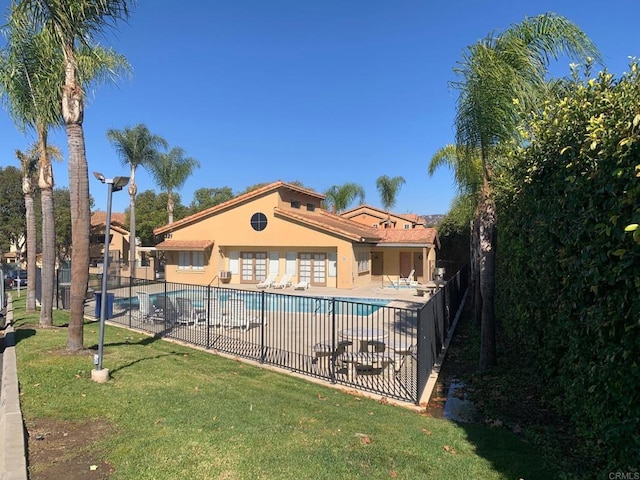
(115, 184)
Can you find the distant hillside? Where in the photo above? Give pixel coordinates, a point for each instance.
(433, 220)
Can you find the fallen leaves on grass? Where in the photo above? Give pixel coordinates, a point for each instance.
(449, 449)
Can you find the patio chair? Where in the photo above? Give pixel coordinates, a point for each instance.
(189, 314)
(167, 310)
(408, 280)
(284, 282)
(267, 282)
(147, 311)
(301, 285)
(231, 313)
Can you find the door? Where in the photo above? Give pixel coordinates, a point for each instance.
(313, 268)
(405, 264)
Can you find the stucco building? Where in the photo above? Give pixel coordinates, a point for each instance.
(282, 228)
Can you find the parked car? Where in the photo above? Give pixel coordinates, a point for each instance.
(18, 277)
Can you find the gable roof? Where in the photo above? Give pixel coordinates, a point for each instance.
(332, 223)
(99, 218)
(233, 202)
(378, 213)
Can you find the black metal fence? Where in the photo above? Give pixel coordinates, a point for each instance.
(361, 343)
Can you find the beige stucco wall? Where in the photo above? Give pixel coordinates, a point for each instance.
(231, 231)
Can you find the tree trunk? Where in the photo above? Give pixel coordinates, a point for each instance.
(45, 183)
(48, 257)
(31, 249)
(170, 206)
(487, 237)
(80, 228)
(132, 225)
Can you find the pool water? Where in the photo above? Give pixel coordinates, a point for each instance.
(289, 303)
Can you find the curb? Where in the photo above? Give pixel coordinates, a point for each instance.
(13, 457)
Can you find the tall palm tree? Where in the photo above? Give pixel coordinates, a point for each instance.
(389, 187)
(136, 147)
(28, 163)
(31, 75)
(467, 174)
(338, 197)
(502, 77)
(170, 171)
(70, 28)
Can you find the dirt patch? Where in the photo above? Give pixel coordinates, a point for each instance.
(60, 449)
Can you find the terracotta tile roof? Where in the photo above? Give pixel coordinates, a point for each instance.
(99, 218)
(408, 236)
(233, 202)
(379, 213)
(185, 245)
(333, 223)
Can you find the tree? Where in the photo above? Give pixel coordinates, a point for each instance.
(69, 30)
(151, 209)
(135, 147)
(204, 198)
(340, 197)
(467, 174)
(170, 171)
(502, 79)
(31, 78)
(28, 164)
(12, 209)
(388, 189)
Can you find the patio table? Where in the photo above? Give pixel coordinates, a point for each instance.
(363, 335)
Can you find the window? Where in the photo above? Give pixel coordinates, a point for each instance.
(375, 225)
(311, 207)
(190, 260)
(184, 260)
(363, 261)
(259, 222)
(407, 226)
(295, 203)
(197, 260)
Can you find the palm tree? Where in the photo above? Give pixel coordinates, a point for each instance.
(501, 77)
(467, 174)
(339, 197)
(28, 163)
(388, 189)
(30, 75)
(170, 171)
(136, 147)
(70, 29)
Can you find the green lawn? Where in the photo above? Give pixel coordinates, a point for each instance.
(178, 412)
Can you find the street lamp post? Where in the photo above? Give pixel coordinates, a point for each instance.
(115, 184)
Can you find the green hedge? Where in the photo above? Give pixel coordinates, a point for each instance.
(568, 272)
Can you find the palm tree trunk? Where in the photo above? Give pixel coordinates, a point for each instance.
(31, 251)
(487, 224)
(170, 206)
(132, 225)
(80, 228)
(48, 257)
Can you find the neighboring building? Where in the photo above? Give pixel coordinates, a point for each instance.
(281, 228)
(378, 218)
(118, 240)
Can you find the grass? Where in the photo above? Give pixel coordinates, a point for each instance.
(178, 412)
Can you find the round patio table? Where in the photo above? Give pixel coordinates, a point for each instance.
(363, 335)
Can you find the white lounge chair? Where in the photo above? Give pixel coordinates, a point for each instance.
(284, 282)
(189, 314)
(267, 282)
(301, 285)
(408, 280)
(147, 312)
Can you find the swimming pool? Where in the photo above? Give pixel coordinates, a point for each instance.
(274, 302)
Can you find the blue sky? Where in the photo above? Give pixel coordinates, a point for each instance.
(320, 91)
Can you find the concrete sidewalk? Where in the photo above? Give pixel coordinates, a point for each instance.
(13, 454)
